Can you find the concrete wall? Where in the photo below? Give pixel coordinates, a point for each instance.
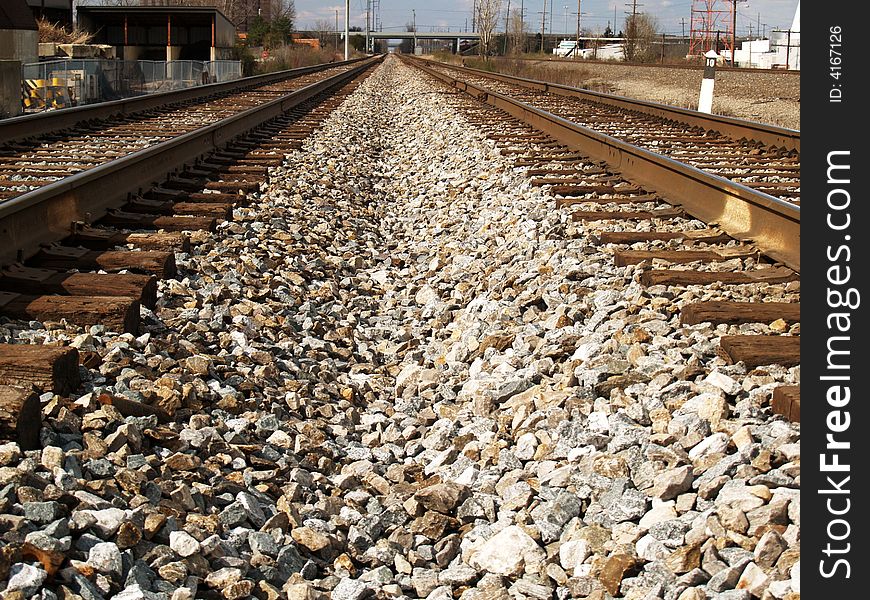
(10, 88)
(19, 44)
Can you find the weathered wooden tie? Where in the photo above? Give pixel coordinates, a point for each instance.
(787, 402)
(95, 238)
(65, 258)
(624, 258)
(117, 313)
(20, 416)
(49, 368)
(130, 220)
(758, 350)
(707, 236)
(574, 201)
(626, 215)
(734, 313)
(678, 277)
(38, 282)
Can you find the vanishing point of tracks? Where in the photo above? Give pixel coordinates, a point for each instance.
(75, 200)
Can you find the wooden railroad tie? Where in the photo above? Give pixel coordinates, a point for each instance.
(38, 282)
(758, 350)
(623, 258)
(119, 218)
(96, 238)
(787, 402)
(610, 199)
(50, 368)
(707, 236)
(65, 258)
(117, 313)
(20, 416)
(233, 186)
(734, 313)
(626, 215)
(678, 277)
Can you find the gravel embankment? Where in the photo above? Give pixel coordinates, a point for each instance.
(401, 372)
(772, 97)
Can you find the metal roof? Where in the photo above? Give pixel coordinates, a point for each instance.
(15, 14)
(145, 10)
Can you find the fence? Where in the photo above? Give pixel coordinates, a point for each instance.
(65, 83)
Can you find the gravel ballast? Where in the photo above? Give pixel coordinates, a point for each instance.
(400, 372)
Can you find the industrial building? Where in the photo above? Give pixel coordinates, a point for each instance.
(781, 51)
(53, 11)
(160, 32)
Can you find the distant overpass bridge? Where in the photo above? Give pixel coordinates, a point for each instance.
(452, 36)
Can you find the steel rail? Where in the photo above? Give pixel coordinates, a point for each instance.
(771, 224)
(46, 214)
(732, 127)
(28, 126)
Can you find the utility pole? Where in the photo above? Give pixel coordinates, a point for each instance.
(734, 34)
(523, 26)
(507, 17)
(552, 2)
(368, 10)
(577, 43)
(346, 29)
(336, 30)
(414, 21)
(683, 25)
(543, 25)
(473, 16)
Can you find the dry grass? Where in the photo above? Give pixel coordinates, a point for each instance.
(554, 72)
(767, 97)
(54, 32)
(293, 57)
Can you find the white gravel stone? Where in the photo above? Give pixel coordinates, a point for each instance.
(183, 543)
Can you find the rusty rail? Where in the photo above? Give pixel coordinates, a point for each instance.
(737, 129)
(770, 223)
(46, 214)
(29, 126)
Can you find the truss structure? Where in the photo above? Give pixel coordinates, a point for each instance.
(712, 26)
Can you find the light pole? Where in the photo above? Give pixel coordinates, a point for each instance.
(543, 25)
(577, 43)
(346, 29)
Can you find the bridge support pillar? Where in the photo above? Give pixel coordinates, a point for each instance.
(456, 46)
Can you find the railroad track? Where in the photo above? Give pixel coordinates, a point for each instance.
(763, 157)
(38, 150)
(90, 248)
(394, 348)
(90, 193)
(677, 225)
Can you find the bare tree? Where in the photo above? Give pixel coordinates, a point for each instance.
(283, 9)
(641, 30)
(487, 19)
(517, 32)
(324, 30)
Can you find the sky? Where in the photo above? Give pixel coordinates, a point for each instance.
(673, 16)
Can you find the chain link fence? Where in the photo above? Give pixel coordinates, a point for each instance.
(65, 83)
